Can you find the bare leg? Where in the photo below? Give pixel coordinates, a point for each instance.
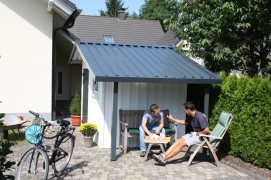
(175, 148)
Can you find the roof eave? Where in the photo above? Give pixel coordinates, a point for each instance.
(158, 80)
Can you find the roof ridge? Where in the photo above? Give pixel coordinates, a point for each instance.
(128, 18)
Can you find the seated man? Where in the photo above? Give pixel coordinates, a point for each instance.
(199, 123)
(152, 120)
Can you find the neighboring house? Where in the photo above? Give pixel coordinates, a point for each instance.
(115, 63)
(170, 38)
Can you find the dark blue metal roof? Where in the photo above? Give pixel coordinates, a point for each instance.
(142, 63)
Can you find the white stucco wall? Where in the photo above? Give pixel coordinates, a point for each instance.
(25, 57)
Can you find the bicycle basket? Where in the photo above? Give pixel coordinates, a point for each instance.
(37, 121)
(32, 133)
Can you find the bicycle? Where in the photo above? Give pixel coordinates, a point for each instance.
(35, 162)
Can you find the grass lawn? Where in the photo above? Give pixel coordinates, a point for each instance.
(11, 136)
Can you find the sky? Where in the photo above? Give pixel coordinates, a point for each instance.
(92, 7)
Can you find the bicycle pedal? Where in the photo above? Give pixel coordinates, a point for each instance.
(47, 147)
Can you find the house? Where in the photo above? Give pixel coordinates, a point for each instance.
(27, 66)
(115, 63)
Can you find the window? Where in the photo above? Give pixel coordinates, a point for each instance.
(96, 87)
(108, 39)
(59, 90)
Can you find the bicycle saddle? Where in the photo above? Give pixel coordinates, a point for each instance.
(62, 122)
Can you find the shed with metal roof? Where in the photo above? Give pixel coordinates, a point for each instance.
(134, 76)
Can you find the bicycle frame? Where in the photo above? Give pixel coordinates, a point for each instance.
(61, 134)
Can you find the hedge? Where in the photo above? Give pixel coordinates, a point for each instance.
(249, 100)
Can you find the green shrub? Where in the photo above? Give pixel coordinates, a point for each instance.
(75, 107)
(249, 135)
(4, 151)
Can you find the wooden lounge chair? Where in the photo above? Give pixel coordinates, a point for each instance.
(212, 140)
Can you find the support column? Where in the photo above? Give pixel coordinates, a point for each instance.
(206, 99)
(114, 123)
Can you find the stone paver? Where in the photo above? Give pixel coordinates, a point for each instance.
(94, 163)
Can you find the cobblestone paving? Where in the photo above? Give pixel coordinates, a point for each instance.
(95, 163)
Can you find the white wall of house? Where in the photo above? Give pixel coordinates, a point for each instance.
(131, 96)
(25, 57)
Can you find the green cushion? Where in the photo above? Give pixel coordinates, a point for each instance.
(133, 130)
(169, 130)
(224, 119)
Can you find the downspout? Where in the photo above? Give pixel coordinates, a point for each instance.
(68, 24)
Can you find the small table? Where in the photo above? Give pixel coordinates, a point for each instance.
(158, 141)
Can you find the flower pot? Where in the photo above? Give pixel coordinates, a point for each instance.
(76, 120)
(88, 141)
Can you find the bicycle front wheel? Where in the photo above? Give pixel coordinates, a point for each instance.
(34, 165)
(63, 154)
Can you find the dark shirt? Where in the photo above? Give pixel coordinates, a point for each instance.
(198, 122)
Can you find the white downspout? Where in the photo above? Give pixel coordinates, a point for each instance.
(50, 5)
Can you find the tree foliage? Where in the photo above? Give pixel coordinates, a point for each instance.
(158, 10)
(75, 107)
(227, 34)
(113, 7)
(5, 146)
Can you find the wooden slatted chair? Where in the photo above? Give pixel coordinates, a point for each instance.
(212, 140)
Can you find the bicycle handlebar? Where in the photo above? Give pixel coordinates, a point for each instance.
(35, 114)
(64, 123)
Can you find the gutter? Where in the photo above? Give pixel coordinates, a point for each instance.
(64, 9)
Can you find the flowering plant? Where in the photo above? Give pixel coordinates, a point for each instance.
(88, 129)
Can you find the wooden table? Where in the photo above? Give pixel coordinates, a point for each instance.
(151, 142)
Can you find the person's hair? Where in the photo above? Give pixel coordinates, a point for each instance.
(189, 105)
(153, 107)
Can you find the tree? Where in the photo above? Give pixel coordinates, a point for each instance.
(158, 10)
(113, 6)
(134, 16)
(229, 35)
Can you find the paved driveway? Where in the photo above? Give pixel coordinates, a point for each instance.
(94, 163)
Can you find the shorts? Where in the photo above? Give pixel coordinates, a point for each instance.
(190, 140)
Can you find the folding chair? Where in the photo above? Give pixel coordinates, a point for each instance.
(212, 140)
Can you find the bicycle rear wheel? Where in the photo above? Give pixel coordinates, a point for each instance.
(34, 165)
(63, 154)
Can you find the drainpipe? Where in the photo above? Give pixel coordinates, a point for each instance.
(69, 24)
(50, 5)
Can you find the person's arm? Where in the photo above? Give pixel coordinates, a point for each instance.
(204, 125)
(158, 130)
(204, 131)
(145, 127)
(178, 121)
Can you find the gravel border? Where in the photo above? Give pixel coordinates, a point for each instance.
(254, 171)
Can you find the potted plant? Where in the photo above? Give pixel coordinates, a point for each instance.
(75, 110)
(88, 130)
